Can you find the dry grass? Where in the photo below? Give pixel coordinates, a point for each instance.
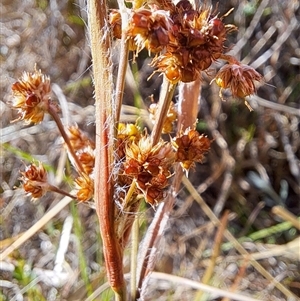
(252, 167)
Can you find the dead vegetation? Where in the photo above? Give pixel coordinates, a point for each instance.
(252, 169)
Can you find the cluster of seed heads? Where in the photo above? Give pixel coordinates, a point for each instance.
(185, 42)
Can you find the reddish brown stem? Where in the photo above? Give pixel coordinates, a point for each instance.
(100, 49)
(53, 113)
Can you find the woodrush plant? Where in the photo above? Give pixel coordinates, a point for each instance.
(126, 165)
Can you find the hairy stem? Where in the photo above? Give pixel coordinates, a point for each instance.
(105, 207)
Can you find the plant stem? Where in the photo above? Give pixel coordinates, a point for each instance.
(134, 253)
(188, 104)
(105, 207)
(60, 191)
(166, 94)
(123, 61)
(61, 128)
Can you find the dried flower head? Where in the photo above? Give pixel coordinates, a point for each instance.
(197, 39)
(85, 186)
(185, 40)
(170, 118)
(150, 29)
(31, 96)
(34, 180)
(78, 139)
(126, 133)
(86, 157)
(116, 23)
(149, 166)
(190, 147)
(239, 78)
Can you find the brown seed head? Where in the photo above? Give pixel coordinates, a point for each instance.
(150, 29)
(87, 158)
(31, 96)
(186, 40)
(85, 186)
(78, 139)
(149, 166)
(239, 78)
(34, 180)
(170, 118)
(190, 147)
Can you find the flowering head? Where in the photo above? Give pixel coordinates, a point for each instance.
(86, 156)
(190, 147)
(169, 120)
(239, 78)
(78, 139)
(34, 180)
(31, 96)
(149, 166)
(186, 40)
(85, 188)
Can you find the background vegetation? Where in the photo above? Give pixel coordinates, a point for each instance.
(252, 167)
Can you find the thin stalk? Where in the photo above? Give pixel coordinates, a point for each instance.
(130, 206)
(238, 279)
(123, 61)
(60, 191)
(134, 254)
(129, 194)
(286, 215)
(105, 206)
(66, 138)
(166, 95)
